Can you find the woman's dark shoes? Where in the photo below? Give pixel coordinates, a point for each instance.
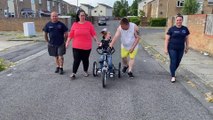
(57, 69)
(61, 71)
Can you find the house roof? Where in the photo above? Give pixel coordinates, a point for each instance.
(69, 4)
(87, 5)
(107, 6)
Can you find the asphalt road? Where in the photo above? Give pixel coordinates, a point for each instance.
(20, 52)
(32, 91)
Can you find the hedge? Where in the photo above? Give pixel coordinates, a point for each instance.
(157, 22)
(135, 20)
(2, 65)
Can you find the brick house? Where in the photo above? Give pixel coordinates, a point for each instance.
(3, 8)
(102, 10)
(36, 6)
(68, 8)
(169, 8)
(87, 8)
(160, 8)
(207, 7)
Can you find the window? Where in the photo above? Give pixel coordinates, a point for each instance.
(21, 0)
(40, 2)
(53, 3)
(101, 11)
(210, 2)
(95, 11)
(180, 3)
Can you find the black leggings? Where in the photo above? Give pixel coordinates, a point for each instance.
(80, 55)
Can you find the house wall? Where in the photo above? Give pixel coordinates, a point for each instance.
(207, 9)
(154, 9)
(99, 11)
(85, 9)
(109, 12)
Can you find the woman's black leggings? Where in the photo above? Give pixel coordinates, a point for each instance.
(80, 55)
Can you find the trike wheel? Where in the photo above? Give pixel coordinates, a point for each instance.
(119, 70)
(94, 69)
(104, 78)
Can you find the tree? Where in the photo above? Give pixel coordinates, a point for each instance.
(134, 8)
(123, 12)
(120, 7)
(116, 9)
(141, 13)
(190, 7)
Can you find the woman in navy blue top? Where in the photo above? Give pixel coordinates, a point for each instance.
(176, 43)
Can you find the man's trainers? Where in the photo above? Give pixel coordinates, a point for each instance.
(130, 74)
(124, 69)
(72, 76)
(173, 79)
(61, 71)
(57, 70)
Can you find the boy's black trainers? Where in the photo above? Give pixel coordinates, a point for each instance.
(130, 74)
(124, 69)
(61, 71)
(57, 70)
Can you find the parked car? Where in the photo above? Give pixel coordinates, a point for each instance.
(45, 13)
(27, 12)
(101, 21)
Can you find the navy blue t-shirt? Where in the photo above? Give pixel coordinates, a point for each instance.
(56, 32)
(177, 37)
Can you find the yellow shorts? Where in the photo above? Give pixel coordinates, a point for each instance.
(126, 53)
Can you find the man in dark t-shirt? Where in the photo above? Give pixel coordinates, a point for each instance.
(55, 34)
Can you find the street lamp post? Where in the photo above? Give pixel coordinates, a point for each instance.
(77, 8)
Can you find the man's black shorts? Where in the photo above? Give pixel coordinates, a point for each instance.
(56, 50)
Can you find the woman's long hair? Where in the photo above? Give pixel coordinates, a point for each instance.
(78, 13)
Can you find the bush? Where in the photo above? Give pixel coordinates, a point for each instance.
(135, 20)
(157, 22)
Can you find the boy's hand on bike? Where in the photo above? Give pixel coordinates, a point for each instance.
(99, 44)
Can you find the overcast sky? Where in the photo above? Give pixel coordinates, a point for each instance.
(95, 2)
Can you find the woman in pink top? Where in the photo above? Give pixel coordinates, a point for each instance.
(82, 32)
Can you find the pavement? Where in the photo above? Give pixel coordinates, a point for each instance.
(13, 39)
(196, 68)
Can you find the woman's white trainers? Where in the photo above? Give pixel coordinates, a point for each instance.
(173, 79)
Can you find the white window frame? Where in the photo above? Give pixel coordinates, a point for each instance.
(180, 3)
(48, 6)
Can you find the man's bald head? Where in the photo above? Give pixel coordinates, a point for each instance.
(54, 16)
